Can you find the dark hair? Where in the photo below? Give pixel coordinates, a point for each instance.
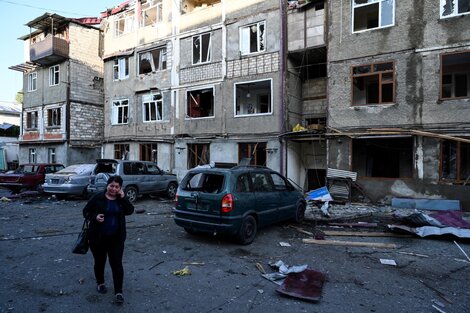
(116, 179)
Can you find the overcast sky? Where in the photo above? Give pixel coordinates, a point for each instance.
(14, 14)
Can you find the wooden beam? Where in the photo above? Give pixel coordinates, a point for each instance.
(362, 234)
(351, 243)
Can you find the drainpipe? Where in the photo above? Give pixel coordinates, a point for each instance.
(67, 114)
(282, 58)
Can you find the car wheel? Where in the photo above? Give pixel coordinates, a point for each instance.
(131, 193)
(300, 213)
(247, 232)
(171, 190)
(190, 231)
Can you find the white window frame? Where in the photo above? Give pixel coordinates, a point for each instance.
(148, 6)
(51, 155)
(32, 120)
(149, 102)
(121, 67)
(32, 155)
(455, 11)
(54, 75)
(54, 118)
(380, 3)
(32, 81)
(118, 111)
(244, 35)
(188, 95)
(156, 65)
(271, 110)
(124, 23)
(200, 48)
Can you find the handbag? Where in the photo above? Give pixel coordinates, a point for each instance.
(81, 245)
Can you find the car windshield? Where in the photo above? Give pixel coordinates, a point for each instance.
(27, 169)
(205, 182)
(77, 169)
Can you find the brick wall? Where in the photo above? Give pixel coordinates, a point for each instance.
(260, 64)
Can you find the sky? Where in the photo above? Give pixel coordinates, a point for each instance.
(14, 14)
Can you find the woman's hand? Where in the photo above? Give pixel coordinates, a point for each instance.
(100, 218)
(120, 193)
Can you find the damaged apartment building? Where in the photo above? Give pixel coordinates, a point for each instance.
(62, 114)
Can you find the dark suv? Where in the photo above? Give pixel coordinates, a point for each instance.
(236, 201)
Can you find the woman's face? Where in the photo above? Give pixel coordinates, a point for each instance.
(113, 188)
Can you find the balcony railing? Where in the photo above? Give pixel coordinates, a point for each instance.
(49, 51)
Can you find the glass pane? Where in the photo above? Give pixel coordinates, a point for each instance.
(196, 50)
(361, 69)
(449, 159)
(387, 77)
(366, 17)
(448, 7)
(383, 67)
(464, 6)
(387, 93)
(386, 13)
(461, 85)
(465, 162)
(205, 47)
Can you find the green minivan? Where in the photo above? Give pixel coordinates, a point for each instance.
(236, 201)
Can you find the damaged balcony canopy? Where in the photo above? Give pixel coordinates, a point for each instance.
(191, 5)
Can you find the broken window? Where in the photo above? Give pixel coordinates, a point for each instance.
(449, 8)
(53, 117)
(121, 68)
(373, 84)
(152, 60)
(383, 157)
(198, 154)
(256, 152)
(252, 38)
(51, 156)
(202, 48)
(32, 155)
(32, 81)
(455, 75)
(152, 107)
(371, 14)
(253, 97)
(54, 75)
(148, 152)
(120, 112)
(151, 12)
(124, 23)
(121, 152)
(200, 103)
(32, 120)
(455, 161)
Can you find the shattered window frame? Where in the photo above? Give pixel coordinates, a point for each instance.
(148, 152)
(253, 38)
(256, 151)
(121, 151)
(124, 23)
(120, 112)
(198, 154)
(202, 48)
(152, 108)
(120, 68)
(372, 14)
(152, 60)
(200, 103)
(253, 98)
(455, 76)
(380, 74)
(32, 81)
(54, 117)
(452, 8)
(154, 7)
(454, 165)
(32, 120)
(54, 75)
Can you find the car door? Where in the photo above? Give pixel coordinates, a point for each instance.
(156, 180)
(287, 199)
(267, 199)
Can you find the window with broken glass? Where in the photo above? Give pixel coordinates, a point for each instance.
(121, 151)
(148, 152)
(455, 161)
(51, 156)
(202, 48)
(200, 103)
(121, 68)
(372, 14)
(32, 81)
(198, 154)
(32, 120)
(152, 107)
(32, 155)
(53, 117)
(124, 23)
(253, 97)
(152, 60)
(54, 75)
(373, 84)
(450, 8)
(252, 38)
(151, 12)
(120, 112)
(455, 75)
(256, 152)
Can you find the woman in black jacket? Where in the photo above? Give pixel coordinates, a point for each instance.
(106, 212)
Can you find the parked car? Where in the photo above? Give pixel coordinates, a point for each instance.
(139, 177)
(70, 181)
(28, 176)
(236, 201)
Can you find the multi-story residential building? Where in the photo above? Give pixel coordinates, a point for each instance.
(62, 113)
(399, 96)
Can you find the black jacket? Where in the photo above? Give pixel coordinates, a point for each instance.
(97, 205)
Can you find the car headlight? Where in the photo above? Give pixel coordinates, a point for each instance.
(68, 180)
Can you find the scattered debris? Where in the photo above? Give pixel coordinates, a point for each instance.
(286, 269)
(284, 244)
(426, 204)
(438, 310)
(362, 234)
(275, 277)
(358, 225)
(306, 285)
(301, 230)
(426, 231)
(458, 246)
(139, 211)
(388, 262)
(261, 291)
(414, 254)
(324, 209)
(260, 268)
(350, 243)
(5, 199)
(156, 265)
(183, 272)
(439, 293)
(194, 263)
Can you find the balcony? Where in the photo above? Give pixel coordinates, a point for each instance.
(49, 51)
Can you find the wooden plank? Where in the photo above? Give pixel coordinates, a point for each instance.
(350, 243)
(362, 234)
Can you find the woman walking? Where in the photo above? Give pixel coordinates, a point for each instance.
(106, 212)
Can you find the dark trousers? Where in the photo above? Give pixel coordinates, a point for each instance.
(112, 248)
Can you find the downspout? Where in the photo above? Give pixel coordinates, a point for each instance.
(282, 77)
(67, 113)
